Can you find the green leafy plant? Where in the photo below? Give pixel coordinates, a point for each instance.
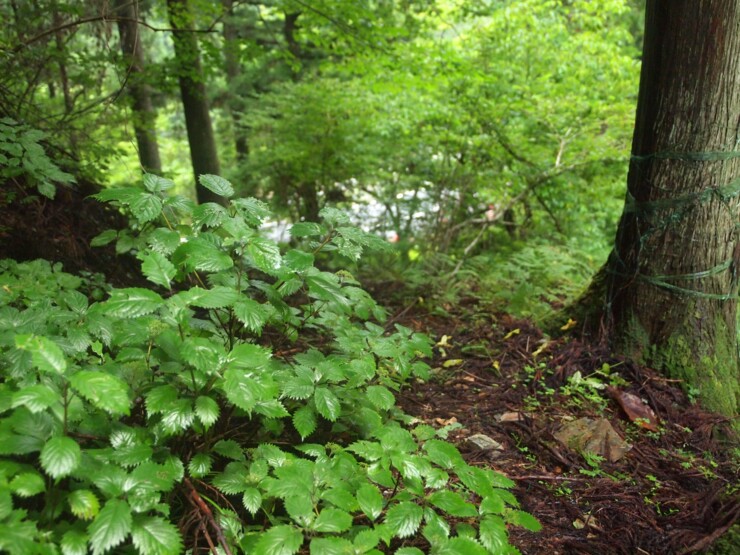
(245, 402)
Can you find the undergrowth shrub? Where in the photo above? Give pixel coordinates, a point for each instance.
(243, 404)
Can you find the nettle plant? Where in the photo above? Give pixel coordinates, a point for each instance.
(243, 404)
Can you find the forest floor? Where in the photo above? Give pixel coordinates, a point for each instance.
(499, 382)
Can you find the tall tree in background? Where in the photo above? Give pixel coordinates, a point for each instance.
(144, 116)
(233, 71)
(672, 278)
(203, 152)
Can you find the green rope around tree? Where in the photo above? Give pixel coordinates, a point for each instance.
(650, 207)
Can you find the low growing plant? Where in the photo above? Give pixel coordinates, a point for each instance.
(243, 404)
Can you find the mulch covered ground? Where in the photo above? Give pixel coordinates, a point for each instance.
(676, 490)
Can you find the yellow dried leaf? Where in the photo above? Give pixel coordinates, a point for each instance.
(568, 325)
(452, 362)
(444, 342)
(512, 333)
(496, 365)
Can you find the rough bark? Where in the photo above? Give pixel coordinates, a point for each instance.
(203, 152)
(671, 279)
(144, 116)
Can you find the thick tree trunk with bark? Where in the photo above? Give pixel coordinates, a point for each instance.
(203, 153)
(671, 279)
(144, 116)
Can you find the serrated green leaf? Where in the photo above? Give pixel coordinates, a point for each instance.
(251, 313)
(163, 240)
(105, 391)
(371, 501)
(216, 184)
(366, 540)
(334, 216)
(331, 546)
(209, 214)
(279, 540)
(265, 254)
(84, 504)
(27, 484)
(60, 456)
(325, 287)
(74, 542)
(443, 454)
(207, 410)
(157, 269)
(229, 449)
(300, 508)
(160, 398)
(437, 529)
(6, 502)
(271, 409)
(524, 519)
(304, 420)
(493, 534)
(381, 397)
(298, 261)
(248, 356)
(216, 297)
(132, 302)
(241, 389)
(102, 239)
(298, 387)
(408, 551)
(333, 521)
(111, 527)
(199, 254)
(461, 546)
(233, 480)
(45, 354)
(155, 184)
(341, 497)
(327, 403)
(201, 353)
(404, 519)
(452, 503)
(200, 465)
(36, 397)
(155, 536)
(307, 229)
(145, 207)
(252, 500)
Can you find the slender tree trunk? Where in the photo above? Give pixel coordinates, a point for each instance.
(233, 75)
(144, 115)
(671, 279)
(203, 153)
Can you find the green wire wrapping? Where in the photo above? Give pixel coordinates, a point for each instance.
(651, 207)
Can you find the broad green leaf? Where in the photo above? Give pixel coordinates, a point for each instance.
(408, 551)
(199, 254)
(452, 503)
(229, 449)
(216, 184)
(524, 519)
(493, 534)
(492, 505)
(84, 504)
(27, 484)
(443, 454)
(334, 216)
(307, 229)
(233, 480)
(366, 540)
(332, 520)
(132, 302)
(331, 546)
(371, 500)
(381, 397)
(60, 456)
(279, 540)
(45, 354)
(160, 398)
(304, 420)
(252, 210)
(36, 397)
(242, 389)
(163, 240)
(252, 500)
(146, 207)
(436, 529)
(155, 184)
(327, 403)
(6, 502)
(461, 546)
(102, 239)
(252, 314)
(265, 254)
(74, 542)
(325, 287)
(209, 214)
(404, 519)
(207, 410)
(217, 297)
(18, 537)
(298, 387)
(111, 527)
(201, 353)
(105, 391)
(200, 465)
(300, 508)
(341, 497)
(155, 536)
(157, 269)
(271, 409)
(298, 261)
(248, 356)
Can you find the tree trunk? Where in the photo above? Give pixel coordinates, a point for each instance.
(203, 153)
(233, 74)
(144, 115)
(671, 279)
